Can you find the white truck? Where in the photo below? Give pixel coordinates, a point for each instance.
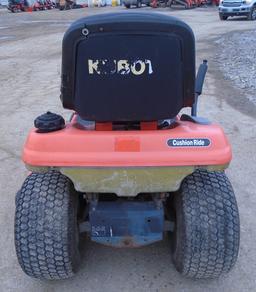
(237, 8)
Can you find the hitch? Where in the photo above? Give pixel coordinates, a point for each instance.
(126, 223)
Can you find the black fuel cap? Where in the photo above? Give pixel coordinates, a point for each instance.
(49, 122)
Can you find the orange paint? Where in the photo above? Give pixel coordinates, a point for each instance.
(127, 144)
(75, 147)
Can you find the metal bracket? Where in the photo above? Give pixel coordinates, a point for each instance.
(195, 119)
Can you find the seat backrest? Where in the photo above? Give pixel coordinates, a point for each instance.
(128, 67)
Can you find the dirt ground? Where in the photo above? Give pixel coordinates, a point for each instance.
(30, 54)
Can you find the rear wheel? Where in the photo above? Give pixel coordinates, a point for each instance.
(206, 237)
(223, 17)
(46, 230)
(252, 14)
(128, 6)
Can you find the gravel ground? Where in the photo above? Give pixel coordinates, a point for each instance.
(236, 58)
(30, 58)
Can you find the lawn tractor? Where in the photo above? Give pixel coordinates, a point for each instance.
(49, 4)
(187, 4)
(39, 5)
(128, 168)
(66, 4)
(17, 5)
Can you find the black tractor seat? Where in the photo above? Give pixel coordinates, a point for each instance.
(128, 67)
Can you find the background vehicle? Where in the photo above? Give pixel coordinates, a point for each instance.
(137, 3)
(49, 4)
(187, 4)
(17, 5)
(39, 5)
(66, 4)
(30, 5)
(232, 8)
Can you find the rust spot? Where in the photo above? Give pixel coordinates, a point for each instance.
(128, 241)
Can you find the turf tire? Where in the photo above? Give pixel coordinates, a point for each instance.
(252, 13)
(223, 17)
(46, 231)
(207, 232)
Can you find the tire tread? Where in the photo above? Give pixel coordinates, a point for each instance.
(209, 239)
(45, 226)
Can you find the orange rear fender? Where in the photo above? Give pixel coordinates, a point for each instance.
(188, 144)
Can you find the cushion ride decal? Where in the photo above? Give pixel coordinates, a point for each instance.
(193, 142)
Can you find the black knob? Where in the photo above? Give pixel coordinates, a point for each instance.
(49, 122)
